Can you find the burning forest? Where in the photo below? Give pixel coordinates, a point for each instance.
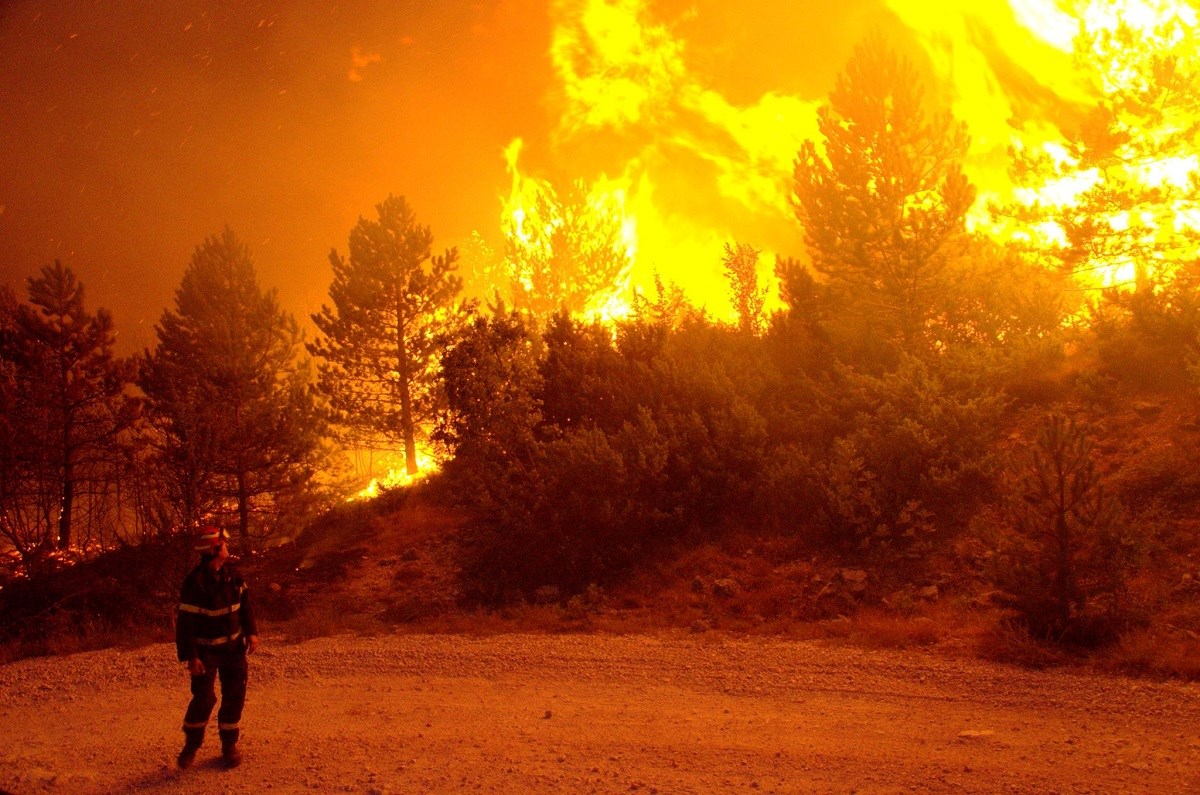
(903, 308)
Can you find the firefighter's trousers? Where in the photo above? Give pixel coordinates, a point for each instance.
(230, 667)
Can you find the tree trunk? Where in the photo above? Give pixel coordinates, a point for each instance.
(1064, 578)
(190, 501)
(406, 416)
(68, 498)
(46, 509)
(243, 498)
(68, 469)
(1141, 278)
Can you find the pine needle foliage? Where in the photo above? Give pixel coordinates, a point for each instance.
(391, 298)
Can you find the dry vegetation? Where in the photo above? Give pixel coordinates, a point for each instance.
(391, 566)
(394, 565)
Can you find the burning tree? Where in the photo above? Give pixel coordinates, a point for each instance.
(391, 299)
(564, 249)
(741, 270)
(883, 201)
(228, 390)
(1117, 196)
(1113, 197)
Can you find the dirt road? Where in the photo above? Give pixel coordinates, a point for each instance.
(578, 713)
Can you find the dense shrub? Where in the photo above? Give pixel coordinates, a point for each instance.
(580, 449)
(1063, 568)
(916, 458)
(611, 448)
(1151, 337)
(104, 596)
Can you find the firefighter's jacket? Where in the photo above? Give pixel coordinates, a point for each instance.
(214, 612)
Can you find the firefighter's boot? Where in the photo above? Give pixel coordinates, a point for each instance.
(192, 742)
(231, 757)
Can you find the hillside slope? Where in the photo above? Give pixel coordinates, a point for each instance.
(395, 561)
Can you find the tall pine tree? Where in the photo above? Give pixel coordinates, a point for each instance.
(884, 198)
(391, 298)
(1119, 191)
(229, 389)
(68, 404)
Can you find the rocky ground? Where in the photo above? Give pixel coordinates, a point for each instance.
(596, 713)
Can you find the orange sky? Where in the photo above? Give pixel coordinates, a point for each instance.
(131, 130)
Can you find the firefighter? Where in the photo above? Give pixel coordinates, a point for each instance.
(214, 632)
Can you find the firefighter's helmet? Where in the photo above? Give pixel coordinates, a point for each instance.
(209, 538)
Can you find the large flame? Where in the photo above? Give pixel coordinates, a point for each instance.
(699, 168)
(696, 170)
(397, 476)
(536, 221)
(1079, 86)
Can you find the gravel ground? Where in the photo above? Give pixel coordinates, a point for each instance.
(586, 713)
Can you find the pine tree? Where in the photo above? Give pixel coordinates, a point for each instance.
(884, 199)
(391, 298)
(741, 270)
(1066, 572)
(564, 251)
(1128, 162)
(68, 398)
(13, 435)
(229, 390)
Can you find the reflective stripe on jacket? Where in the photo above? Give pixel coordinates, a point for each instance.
(214, 611)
